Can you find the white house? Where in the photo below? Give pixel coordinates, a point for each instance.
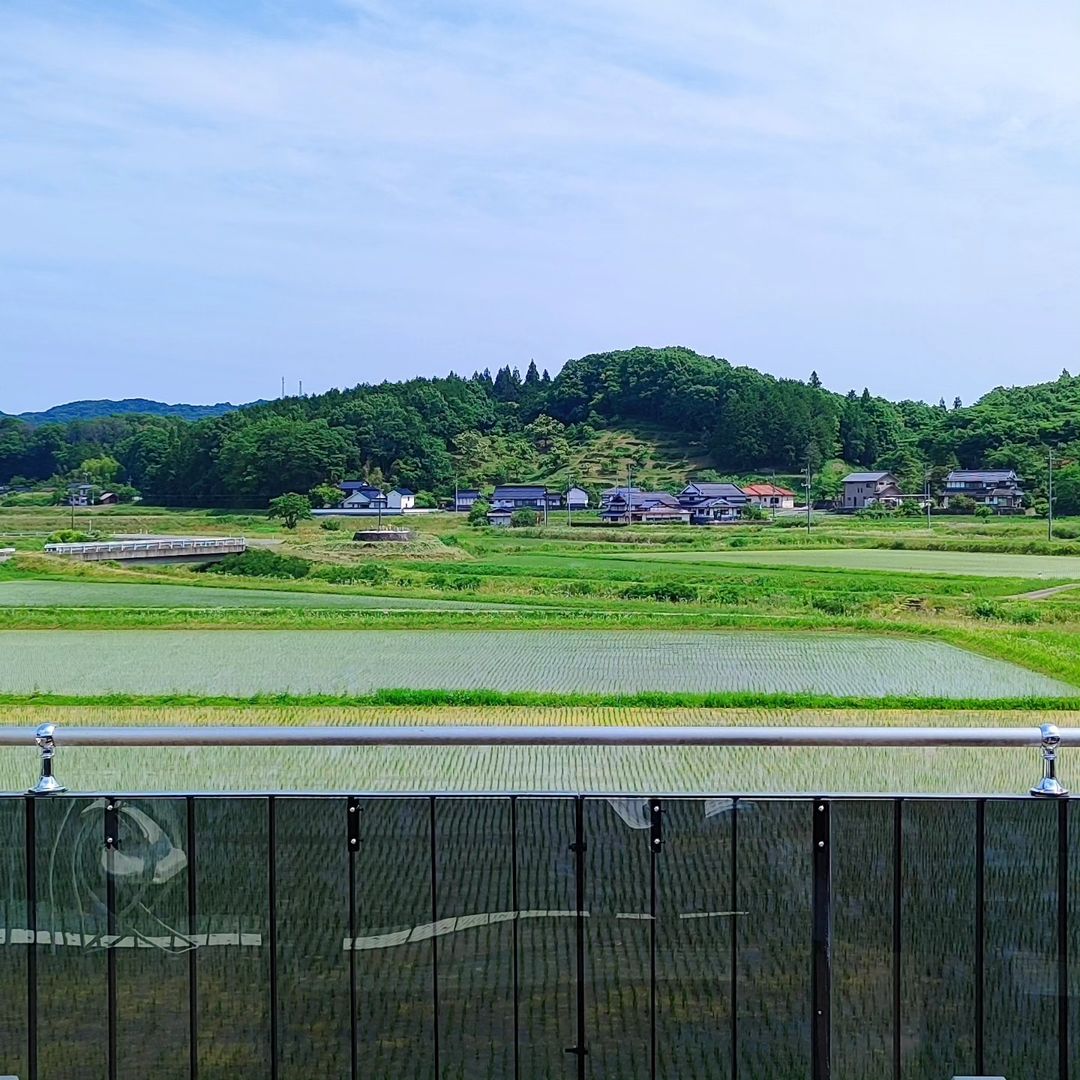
(577, 499)
(400, 499)
(364, 499)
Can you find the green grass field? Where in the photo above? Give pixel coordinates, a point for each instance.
(108, 594)
(244, 663)
(979, 564)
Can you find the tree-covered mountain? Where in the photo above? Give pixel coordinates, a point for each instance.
(484, 428)
(95, 410)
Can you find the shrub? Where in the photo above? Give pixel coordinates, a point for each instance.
(986, 609)
(672, 592)
(831, 603)
(366, 574)
(330, 524)
(983, 512)
(258, 562)
(478, 513)
(69, 536)
(523, 519)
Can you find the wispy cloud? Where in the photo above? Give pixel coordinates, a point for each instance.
(368, 189)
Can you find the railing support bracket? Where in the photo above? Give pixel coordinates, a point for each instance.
(1050, 787)
(47, 783)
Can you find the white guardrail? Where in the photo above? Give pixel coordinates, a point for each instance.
(142, 547)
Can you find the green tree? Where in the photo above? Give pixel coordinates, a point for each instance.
(103, 470)
(523, 519)
(291, 508)
(478, 513)
(325, 495)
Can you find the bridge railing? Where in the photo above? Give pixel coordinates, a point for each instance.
(629, 935)
(136, 546)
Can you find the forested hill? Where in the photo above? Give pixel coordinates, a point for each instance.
(95, 410)
(428, 433)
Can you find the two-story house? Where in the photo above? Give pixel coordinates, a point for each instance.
(646, 508)
(998, 489)
(863, 489)
(696, 494)
(524, 497)
(464, 499)
(610, 493)
(577, 499)
(360, 495)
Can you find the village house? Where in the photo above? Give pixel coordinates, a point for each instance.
(998, 489)
(499, 518)
(360, 495)
(695, 495)
(865, 489)
(770, 497)
(577, 499)
(610, 493)
(524, 497)
(464, 499)
(81, 495)
(400, 499)
(645, 508)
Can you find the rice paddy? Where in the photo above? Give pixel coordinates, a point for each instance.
(243, 663)
(661, 769)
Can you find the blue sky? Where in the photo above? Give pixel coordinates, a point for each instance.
(197, 204)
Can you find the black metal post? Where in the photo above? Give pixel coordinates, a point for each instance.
(271, 884)
(434, 944)
(112, 842)
(1063, 939)
(352, 830)
(515, 907)
(734, 939)
(193, 952)
(897, 931)
(980, 933)
(31, 954)
(821, 973)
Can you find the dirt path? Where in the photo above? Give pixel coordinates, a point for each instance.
(1042, 594)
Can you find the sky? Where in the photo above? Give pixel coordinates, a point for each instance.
(201, 198)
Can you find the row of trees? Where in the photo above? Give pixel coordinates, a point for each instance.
(428, 434)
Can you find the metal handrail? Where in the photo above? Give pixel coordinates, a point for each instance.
(1048, 738)
(144, 545)
(551, 735)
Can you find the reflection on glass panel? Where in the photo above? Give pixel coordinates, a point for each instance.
(475, 937)
(1021, 938)
(395, 940)
(14, 936)
(232, 935)
(861, 835)
(937, 969)
(312, 890)
(774, 890)
(149, 870)
(547, 956)
(72, 935)
(693, 939)
(618, 935)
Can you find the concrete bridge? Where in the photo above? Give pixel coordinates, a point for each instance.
(172, 549)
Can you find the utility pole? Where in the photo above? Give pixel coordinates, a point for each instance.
(1050, 497)
(629, 502)
(929, 527)
(807, 496)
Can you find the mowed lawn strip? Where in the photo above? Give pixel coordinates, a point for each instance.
(241, 663)
(99, 594)
(661, 769)
(1057, 568)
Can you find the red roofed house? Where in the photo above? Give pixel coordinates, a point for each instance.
(769, 496)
